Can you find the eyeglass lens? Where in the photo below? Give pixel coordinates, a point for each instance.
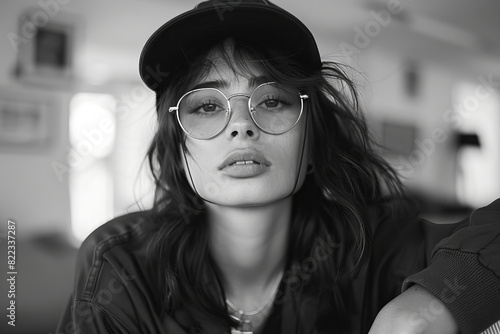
(274, 108)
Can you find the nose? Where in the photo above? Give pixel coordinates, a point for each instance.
(241, 124)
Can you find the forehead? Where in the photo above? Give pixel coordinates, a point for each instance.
(225, 67)
(221, 78)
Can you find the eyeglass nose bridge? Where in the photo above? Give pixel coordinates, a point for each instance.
(237, 94)
(250, 109)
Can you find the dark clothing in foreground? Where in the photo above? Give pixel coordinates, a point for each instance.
(459, 263)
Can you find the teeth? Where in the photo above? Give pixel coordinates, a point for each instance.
(245, 162)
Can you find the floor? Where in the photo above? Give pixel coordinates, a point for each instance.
(45, 271)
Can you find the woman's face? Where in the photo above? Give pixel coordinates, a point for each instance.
(243, 165)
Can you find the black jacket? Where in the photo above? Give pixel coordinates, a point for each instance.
(459, 263)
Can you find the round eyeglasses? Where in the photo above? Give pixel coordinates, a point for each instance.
(275, 108)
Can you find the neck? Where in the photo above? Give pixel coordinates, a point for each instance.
(249, 246)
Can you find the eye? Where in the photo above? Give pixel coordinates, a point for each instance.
(209, 107)
(271, 103)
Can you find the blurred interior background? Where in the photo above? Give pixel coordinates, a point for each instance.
(76, 121)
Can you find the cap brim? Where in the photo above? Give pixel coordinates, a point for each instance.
(165, 49)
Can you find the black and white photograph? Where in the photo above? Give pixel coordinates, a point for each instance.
(250, 167)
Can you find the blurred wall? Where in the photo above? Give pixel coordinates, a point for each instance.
(409, 84)
(31, 193)
(107, 39)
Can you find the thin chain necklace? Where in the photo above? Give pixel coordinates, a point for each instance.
(244, 319)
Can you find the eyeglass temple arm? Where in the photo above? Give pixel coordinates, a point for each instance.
(172, 109)
(304, 96)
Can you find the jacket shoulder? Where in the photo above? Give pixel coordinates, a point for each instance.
(119, 245)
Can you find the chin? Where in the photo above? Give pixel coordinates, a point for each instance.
(247, 197)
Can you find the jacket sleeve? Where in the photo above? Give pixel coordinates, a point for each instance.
(101, 301)
(464, 270)
(83, 317)
(113, 291)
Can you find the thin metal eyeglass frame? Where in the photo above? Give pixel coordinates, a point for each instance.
(229, 110)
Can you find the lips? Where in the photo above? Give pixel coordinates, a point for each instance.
(244, 157)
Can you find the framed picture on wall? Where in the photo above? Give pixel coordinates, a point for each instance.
(46, 55)
(25, 121)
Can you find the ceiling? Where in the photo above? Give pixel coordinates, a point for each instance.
(460, 32)
(463, 33)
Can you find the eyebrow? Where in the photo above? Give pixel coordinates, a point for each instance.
(255, 81)
(212, 84)
(220, 83)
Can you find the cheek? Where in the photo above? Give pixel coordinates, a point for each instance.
(202, 162)
(287, 156)
(293, 160)
(295, 148)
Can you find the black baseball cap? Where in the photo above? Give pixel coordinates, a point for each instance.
(213, 20)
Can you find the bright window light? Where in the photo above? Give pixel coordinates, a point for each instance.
(92, 134)
(478, 179)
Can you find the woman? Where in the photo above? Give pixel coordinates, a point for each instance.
(272, 213)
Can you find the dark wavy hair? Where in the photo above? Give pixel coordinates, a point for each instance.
(347, 177)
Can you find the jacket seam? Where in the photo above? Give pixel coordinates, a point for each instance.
(98, 259)
(107, 312)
